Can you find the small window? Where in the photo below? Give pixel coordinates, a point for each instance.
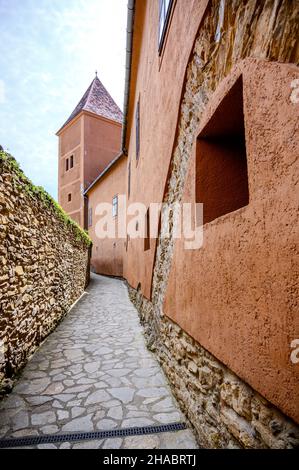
(221, 160)
(137, 119)
(71, 161)
(69, 197)
(115, 206)
(164, 15)
(147, 240)
(90, 217)
(129, 179)
(67, 164)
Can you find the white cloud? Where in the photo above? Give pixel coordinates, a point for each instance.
(49, 51)
(2, 92)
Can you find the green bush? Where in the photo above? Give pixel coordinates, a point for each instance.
(24, 183)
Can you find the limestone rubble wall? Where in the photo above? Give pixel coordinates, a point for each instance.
(224, 411)
(44, 265)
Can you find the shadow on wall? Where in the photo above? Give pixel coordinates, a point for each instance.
(221, 161)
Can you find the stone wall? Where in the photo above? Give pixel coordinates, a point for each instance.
(44, 260)
(224, 411)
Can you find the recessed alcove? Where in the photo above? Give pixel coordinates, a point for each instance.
(221, 160)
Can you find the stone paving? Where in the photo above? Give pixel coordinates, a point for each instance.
(95, 373)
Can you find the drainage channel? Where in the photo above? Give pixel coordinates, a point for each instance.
(87, 436)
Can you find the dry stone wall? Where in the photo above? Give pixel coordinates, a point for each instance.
(224, 410)
(44, 261)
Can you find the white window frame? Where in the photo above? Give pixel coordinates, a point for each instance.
(115, 206)
(164, 15)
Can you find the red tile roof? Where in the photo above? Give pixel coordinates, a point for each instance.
(97, 100)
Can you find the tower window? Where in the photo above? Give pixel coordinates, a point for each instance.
(71, 161)
(90, 217)
(115, 206)
(221, 161)
(69, 198)
(67, 164)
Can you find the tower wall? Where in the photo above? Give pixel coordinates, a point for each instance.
(102, 139)
(70, 180)
(91, 142)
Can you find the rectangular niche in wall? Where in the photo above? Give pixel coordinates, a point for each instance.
(221, 162)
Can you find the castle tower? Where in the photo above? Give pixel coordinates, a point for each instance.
(88, 141)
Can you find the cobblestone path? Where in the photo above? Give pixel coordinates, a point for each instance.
(94, 373)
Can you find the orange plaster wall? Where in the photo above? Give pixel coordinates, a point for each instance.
(159, 106)
(70, 137)
(93, 141)
(69, 182)
(102, 139)
(237, 294)
(107, 254)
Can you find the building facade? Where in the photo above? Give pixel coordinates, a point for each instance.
(212, 118)
(107, 193)
(88, 141)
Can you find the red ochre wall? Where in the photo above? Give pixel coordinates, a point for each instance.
(107, 254)
(93, 141)
(157, 81)
(235, 295)
(102, 142)
(69, 182)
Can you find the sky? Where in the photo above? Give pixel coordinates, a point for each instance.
(49, 52)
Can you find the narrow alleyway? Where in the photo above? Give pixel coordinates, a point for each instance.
(95, 373)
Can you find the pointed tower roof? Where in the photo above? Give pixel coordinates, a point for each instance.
(97, 100)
